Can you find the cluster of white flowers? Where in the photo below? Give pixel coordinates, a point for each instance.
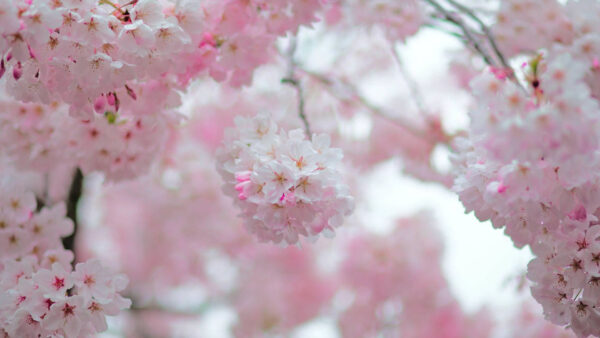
(76, 51)
(527, 25)
(79, 51)
(44, 137)
(399, 19)
(284, 184)
(531, 165)
(40, 293)
(42, 300)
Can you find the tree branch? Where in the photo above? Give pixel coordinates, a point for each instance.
(466, 31)
(360, 99)
(485, 29)
(294, 82)
(72, 201)
(412, 84)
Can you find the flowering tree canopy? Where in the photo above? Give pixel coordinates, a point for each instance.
(150, 147)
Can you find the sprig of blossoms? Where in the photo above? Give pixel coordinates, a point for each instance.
(121, 144)
(284, 184)
(79, 51)
(527, 25)
(398, 19)
(41, 295)
(530, 165)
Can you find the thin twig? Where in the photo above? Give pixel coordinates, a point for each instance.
(293, 81)
(446, 31)
(485, 29)
(365, 103)
(412, 84)
(111, 4)
(300, 92)
(466, 31)
(433, 175)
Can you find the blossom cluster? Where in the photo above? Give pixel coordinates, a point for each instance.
(40, 292)
(398, 19)
(530, 165)
(122, 145)
(526, 26)
(81, 51)
(285, 185)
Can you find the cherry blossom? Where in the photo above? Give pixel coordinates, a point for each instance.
(118, 117)
(530, 166)
(39, 291)
(285, 184)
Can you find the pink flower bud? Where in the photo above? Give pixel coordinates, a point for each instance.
(110, 98)
(17, 71)
(501, 188)
(578, 213)
(207, 39)
(500, 73)
(243, 176)
(99, 104)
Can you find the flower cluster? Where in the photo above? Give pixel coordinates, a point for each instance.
(80, 51)
(121, 145)
(531, 165)
(285, 185)
(399, 19)
(526, 26)
(40, 293)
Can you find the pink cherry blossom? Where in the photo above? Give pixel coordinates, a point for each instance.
(291, 190)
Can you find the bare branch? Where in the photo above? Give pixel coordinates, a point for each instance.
(413, 86)
(485, 29)
(446, 31)
(450, 17)
(359, 98)
(466, 31)
(73, 200)
(292, 80)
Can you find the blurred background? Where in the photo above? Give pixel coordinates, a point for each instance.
(392, 108)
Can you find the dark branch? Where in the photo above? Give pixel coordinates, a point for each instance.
(300, 92)
(72, 201)
(293, 81)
